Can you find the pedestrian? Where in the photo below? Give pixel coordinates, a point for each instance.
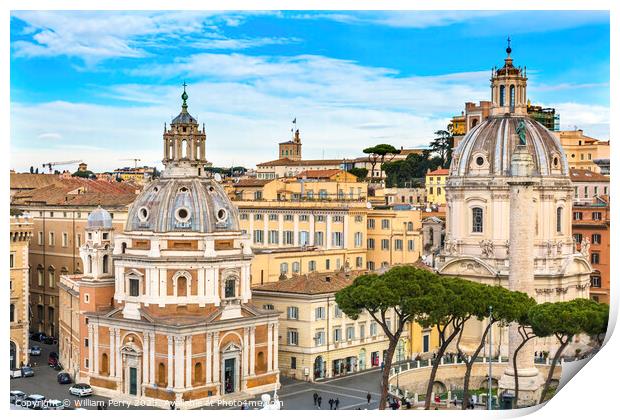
(382, 364)
(318, 401)
(337, 403)
(331, 403)
(172, 404)
(368, 397)
(315, 396)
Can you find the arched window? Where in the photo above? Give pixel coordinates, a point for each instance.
(512, 97)
(474, 123)
(184, 149)
(89, 264)
(12, 312)
(104, 364)
(123, 247)
(198, 373)
(198, 151)
(161, 375)
(170, 150)
(502, 95)
(181, 286)
(558, 219)
(105, 263)
(284, 268)
(477, 220)
(229, 288)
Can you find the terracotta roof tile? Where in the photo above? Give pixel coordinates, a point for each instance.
(289, 162)
(311, 284)
(440, 171)
(584, 175)
(319, 173)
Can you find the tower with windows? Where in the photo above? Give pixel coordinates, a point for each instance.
(96, 252)
(509, 88)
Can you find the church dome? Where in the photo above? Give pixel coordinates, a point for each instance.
(196, 205)
(99, 219)
(487, 149)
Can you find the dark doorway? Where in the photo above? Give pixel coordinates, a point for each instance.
(229, 376)
(133, 381)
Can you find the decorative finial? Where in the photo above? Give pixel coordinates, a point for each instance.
(184, 95)
(508, 49)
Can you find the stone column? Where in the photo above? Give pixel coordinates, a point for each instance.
(252, 350)
(90, 349)
(521, 279)
(119, 359)
(188, 362)
(269, 346)
(246, 346)
(170, 362)
(145, 358)
(216, 357)
(96, 348)
(275, 346)
(152, 358)
(178, 361)
(112, 354)
(209, 358)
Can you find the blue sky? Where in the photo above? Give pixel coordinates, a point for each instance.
(99, 86)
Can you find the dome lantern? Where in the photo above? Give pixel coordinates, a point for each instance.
(508, 88)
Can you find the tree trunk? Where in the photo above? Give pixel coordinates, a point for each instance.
(470, 365)
(440, 353)
(514, 367)
(551, 369)
(385, 375)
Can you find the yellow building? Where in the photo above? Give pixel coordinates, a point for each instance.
(317, 340)
(435, 183)
(20, 234)
(581, 150)
(394, 237)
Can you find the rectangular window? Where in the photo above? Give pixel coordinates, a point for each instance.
(337, 335)
(597, 215)
(288, 217)
(371, 243)
(258, 216)
(12, 261)
(358, 238)
(398, 244)
(425, 343)
(595, 281)
(370, 265)
(595, 191)
(258, 195)
(410, 245)
(293, 363)
(370, 223)
(385, 244)
(273, 217)
(268, 306)
(283, 268)
(388, 324)
(576, 192)
(327, 264)
(319, 338)
(373, 329)
(359, 219)
(134, 287)
(65, 239)
(578, 237)
(322, 194)
(585, 192)
(52, 239)
(338, 219)
(40, 238)
(288, 237)
(40, 278)
(86, 342)
(359, 262)
(595, 258)
(319, 313)
(362, 331)
(296, 266)
(385, 223)
(596, 238)
(337, 239)
(292, 312)
(273, 237)
(258, 236)
(312, 265)
(350, 333)
(292, 337)
(318, 238)
(319, 218)
(337, 312)
(243, 216)
(304, 238)
(303, 218)
(577, 215)
(51, 279)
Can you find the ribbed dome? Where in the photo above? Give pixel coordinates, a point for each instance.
(183, 205)
(99, 219)
(487, 149)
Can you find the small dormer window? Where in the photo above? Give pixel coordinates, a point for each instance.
(229, 287)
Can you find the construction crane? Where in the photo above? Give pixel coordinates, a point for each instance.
(135, 161)
(50, 165)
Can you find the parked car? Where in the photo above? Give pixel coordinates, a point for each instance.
(38, 336)
(17, 373)
(17, 396)
(35, 351)
(49, 340)
(81, 390)
(64, 378)
(33, 402)
(54, 405)
(52, 359)
(27, 372)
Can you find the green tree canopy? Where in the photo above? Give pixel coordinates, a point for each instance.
(360, 173)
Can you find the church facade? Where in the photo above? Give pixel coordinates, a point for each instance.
(165, 308)
(508, 217)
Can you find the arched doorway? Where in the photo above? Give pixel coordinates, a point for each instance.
(13, 356)
(319, 368)
(131, 355)
(439, 387)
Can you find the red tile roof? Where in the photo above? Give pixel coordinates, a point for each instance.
(319, 173)
(311, 284)
(289, 162)
(440, 171)
(584, 175)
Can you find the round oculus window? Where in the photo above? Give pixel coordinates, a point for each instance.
(222, 214)
(479, 161)
(182, 214)
(183, 189)
(556, 161)
(143, 214)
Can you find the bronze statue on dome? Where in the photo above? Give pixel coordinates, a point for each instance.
(520, 130)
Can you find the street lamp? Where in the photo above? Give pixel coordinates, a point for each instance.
(490, 406)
